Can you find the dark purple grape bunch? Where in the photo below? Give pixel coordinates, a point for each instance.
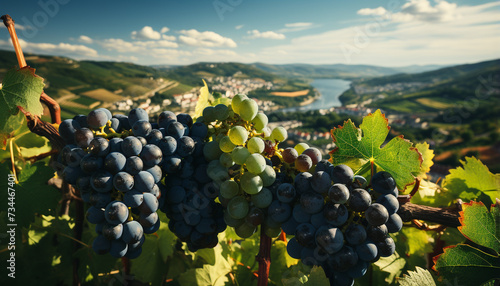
(113, 161)
(189, 192)
(339, 223)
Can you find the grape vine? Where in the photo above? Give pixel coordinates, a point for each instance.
(223, 171)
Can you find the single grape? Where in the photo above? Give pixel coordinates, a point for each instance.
(301, 147)
(314, 154)
(386, 247)
(330, 239)
(151, 155)
(238, 207)
(311, 202)
(342, 174)
(251, 183)
(303, 163)
(305, 235)
(279, 134)
(226, 145)
(255, 163)
(262, 199)
(116, 213)
(240, 155)
(248, 109)
(260, 121)
(289, 155)
(335, 214)
(238, 135)
(321, 182)
(376, 214)
(97, 118)
(141, 128)
(285, 193)
(279, 211)
(394, 223)
(123, 182)
(268, 176)
(256, 145)
(338, 193)
(383, 182)
(360, 200)
(236, 102)
(137, 114)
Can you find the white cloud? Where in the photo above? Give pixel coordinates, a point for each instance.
(379, 11)
(168, 37)
(418, 10)
(64, 49)
(164, 30)
(205, 39)
(254, 34)
(239, 27)
(85, 39)
(298, 24)
(122, 46)
(146, 33)
(443, 39)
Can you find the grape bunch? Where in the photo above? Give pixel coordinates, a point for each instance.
(338, 223)
(189, 198)
(117, 176)
(238, 153)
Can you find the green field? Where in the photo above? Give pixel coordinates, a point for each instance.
(85, 100)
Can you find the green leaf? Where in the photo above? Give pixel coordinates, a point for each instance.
(213, 275)
(150, 267)
(203, 101)
(33, 194)
(469, 265)
(474, 177)
(9, 123)
(22, 88)
(417, 278)
(359, 147)
(166, 238)
(480, 226)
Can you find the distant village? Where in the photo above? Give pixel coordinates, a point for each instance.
(232, 85)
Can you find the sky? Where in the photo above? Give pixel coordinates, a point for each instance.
(391, 33)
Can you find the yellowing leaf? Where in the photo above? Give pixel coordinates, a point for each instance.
(203, 101)
(427, 156)
(360, 147)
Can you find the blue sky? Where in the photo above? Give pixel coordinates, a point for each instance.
(385, 33)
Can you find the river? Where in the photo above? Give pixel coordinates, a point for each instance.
(329, 89)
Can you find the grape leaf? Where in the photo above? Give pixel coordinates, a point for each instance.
(22, 88)
(469, 265)
(209, 274)
(480, 226)
(33, 194)
(427, 156)
(416, 278)
(203, 101)
(359, 147)
(474, 177)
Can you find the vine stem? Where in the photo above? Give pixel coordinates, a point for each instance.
(54, 108)
(264, 258)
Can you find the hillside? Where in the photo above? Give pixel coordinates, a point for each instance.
(422, 92)
(337, 70)
(81, 85)
(191, 74)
